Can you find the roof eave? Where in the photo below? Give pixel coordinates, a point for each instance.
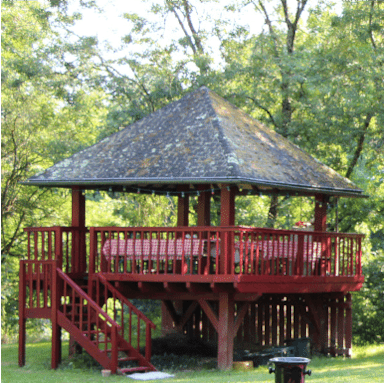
(110, 182)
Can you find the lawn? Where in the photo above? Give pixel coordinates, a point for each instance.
(366, 366)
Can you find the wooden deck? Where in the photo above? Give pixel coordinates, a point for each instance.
(215, 283)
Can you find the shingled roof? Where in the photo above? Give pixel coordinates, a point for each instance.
(199, 139)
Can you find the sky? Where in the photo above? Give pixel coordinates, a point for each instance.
(109, 25)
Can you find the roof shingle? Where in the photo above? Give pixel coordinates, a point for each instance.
(200, 138)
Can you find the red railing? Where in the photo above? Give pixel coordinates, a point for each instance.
(36, 285)
(66, 245)
(134, 325)
(224, 251)
(89, 318)
(292, 252)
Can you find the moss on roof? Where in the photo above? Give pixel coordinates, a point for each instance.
(200, 138)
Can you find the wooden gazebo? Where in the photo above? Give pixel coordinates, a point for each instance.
(216, 282)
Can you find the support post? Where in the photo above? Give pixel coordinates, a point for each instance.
(203, 207)
(78, 261)
(22, 320)
(225, 331)
(56, 330)
(320, 212)
(320, 215)
(183, 208)
(227, 219)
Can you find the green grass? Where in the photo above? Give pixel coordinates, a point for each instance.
(366, 366)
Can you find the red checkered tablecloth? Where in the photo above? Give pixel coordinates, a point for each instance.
(272, 249)
(289, 249)
(153, 247)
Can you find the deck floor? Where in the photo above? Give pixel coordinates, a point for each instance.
(242, 286)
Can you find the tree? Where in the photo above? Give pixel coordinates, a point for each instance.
(318, 84)
(48, 113)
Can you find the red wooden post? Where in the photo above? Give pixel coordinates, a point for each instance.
(78, 262)
(225, 331)
(253, 322)
(167, 322)
(22, 320)
(341, 322)
(203, 207)
(56, 331)
(227, 206)
(183, 208)
(148, 342)
(320, 215)
(78, 259)
(227, 219)
(349, 324)
(320, 212)
(114, 349)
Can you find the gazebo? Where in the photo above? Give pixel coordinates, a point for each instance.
(216, 283)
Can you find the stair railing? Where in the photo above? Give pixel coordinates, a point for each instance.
(92, 321)
(36, 295)
(66, 245)
(126, 319)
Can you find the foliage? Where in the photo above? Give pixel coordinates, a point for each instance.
(368, 325)
(48, 113)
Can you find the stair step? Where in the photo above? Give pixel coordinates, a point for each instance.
(134, 369)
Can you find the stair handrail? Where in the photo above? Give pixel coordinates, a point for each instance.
(120, 296)
(149, 324)
(85, 296)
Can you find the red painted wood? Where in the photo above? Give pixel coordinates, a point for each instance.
(267, 323)
(209, 311)
(227, 219)
(253, 320)
(303, 323)
(183, 210)
(348, 323)
(204, 282)
(260, 323)
(320, 212)
(333, 328)
(341, 322)
(225, 334)
(114, 349)
(22, 317)
(203, 212)
(242, 311)
(78, 260)
(56, 335)
(274, 324)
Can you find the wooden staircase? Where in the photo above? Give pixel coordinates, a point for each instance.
(97, 316)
